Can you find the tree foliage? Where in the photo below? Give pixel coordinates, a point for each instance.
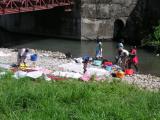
(156, 33)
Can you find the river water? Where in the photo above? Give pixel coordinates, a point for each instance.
(148, 62)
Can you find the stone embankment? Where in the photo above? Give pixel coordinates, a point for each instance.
(51, 60)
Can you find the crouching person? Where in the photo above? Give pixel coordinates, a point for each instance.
(85, 63)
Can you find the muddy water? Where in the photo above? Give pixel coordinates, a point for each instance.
(149, 63)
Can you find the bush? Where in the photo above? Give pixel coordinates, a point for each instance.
(153, 39)
(156, 33)
(155, 36)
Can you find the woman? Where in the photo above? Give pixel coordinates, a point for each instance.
(99, 50)
(133, 58)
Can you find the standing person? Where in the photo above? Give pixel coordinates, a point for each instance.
(133, 59)
(99, 49)
(22, 55)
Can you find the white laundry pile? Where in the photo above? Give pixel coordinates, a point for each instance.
(97, 71)
(67, 74)
(22, 74)
(72, 67)
(75, 70)
(43, 70)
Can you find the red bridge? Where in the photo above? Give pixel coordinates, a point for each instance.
(18, 6)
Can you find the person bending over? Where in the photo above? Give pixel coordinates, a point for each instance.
(22, 55)
(122, 57)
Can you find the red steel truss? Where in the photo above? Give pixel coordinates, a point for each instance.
(17, 6)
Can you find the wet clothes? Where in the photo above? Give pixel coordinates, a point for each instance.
(123, 52)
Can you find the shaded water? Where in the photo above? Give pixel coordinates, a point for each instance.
(148, 62)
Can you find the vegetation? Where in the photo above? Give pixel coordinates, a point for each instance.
(154, 38)
(156, 35)
(27, 99)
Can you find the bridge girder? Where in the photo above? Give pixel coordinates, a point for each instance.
(18, 6)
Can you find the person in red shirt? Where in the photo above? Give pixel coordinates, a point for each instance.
(133, 59)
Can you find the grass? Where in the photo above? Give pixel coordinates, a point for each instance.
(25, 99)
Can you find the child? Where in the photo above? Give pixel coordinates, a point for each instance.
(85, 63)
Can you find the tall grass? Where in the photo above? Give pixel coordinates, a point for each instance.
(27, 99)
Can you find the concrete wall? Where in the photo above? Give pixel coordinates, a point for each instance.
(89, 19)
(141, 21)
(98, 16)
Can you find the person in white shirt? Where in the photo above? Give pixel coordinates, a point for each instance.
(22, 55)
(123, 52)
(122, 58)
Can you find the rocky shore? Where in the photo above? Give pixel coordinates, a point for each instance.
(51, 60)
(46, 59)
(148, 82)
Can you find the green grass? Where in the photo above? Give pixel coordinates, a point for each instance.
(25, 99)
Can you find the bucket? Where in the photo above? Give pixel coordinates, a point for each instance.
(109, 68)
(34, 57)
(129, 71)
(97, 62)
(120, 74)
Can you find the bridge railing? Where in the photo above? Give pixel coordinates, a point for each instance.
(17, 6)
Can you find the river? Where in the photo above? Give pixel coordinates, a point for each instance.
(148, 62)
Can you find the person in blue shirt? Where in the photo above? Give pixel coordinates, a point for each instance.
(85, 63)
(99, 49)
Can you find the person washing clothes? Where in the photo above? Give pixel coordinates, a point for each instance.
(120, 44)
(85, 63)
(99, 49)
(133, 59)
(22, 55)
(122, 57)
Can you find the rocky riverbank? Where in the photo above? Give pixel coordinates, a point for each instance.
(46, 59)
(51, 61)
(148, 82)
